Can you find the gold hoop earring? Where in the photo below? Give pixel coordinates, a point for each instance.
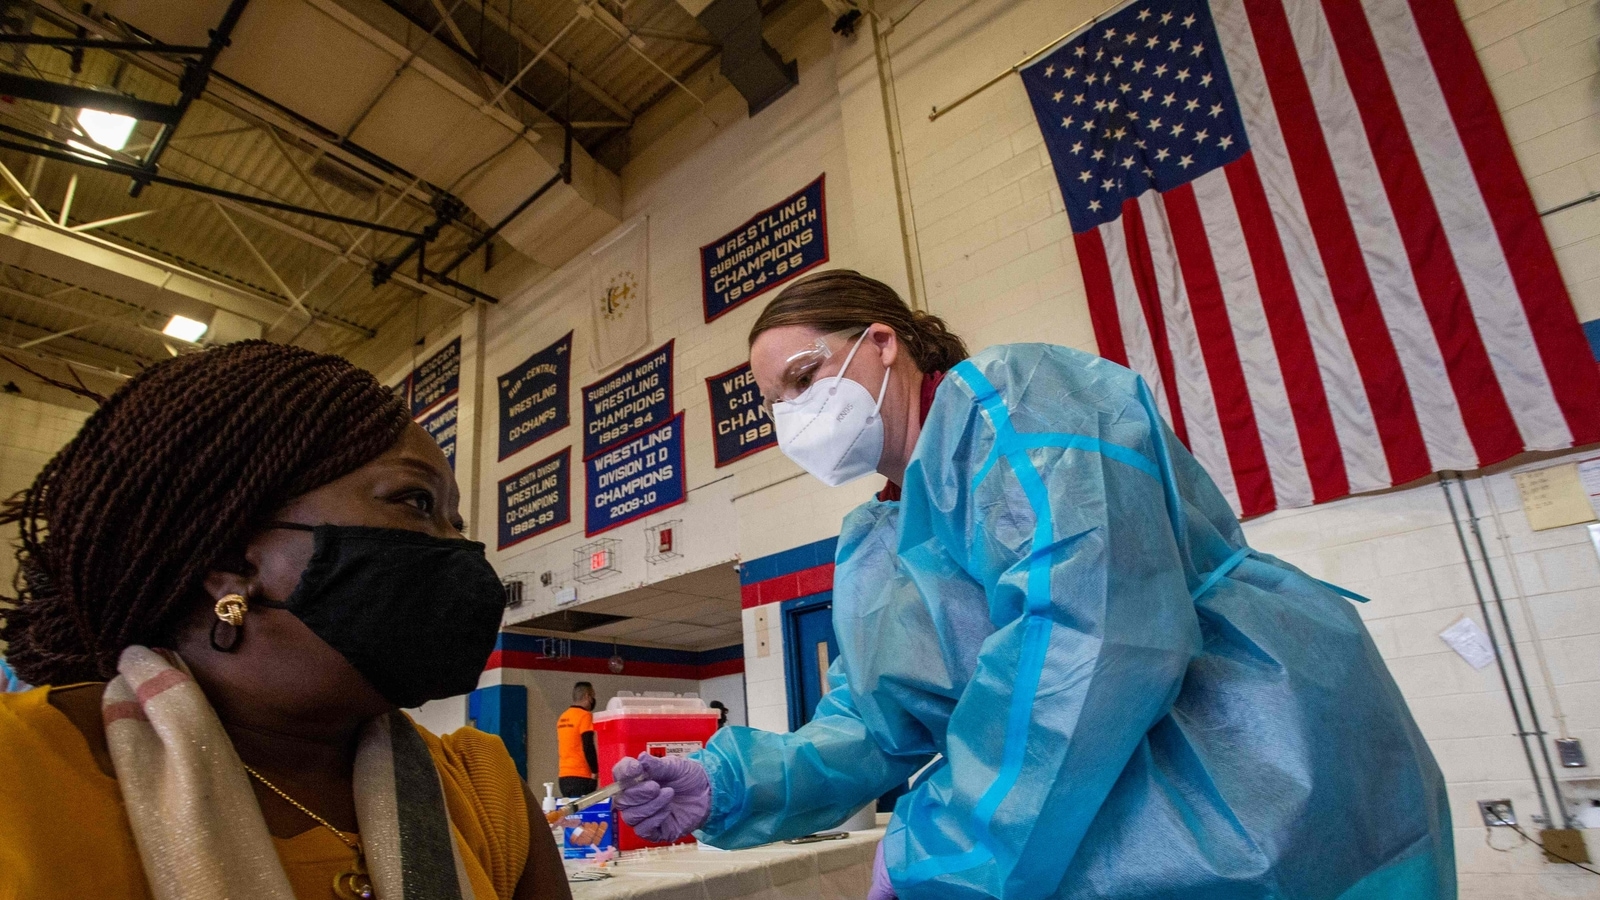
(228, 630)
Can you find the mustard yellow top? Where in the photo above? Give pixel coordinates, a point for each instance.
(63, 832)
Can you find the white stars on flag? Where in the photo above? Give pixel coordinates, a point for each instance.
(1140, 62)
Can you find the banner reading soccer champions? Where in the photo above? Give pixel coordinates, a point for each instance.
(437, 378)
(773, 247)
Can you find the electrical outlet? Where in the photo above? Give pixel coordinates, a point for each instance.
(1497, 813)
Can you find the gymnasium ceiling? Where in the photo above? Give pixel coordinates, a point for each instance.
(347, 114)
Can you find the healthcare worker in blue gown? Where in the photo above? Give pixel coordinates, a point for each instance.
(1119, 698)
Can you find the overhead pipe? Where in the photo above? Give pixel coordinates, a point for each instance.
(563, 174)
(446, 210)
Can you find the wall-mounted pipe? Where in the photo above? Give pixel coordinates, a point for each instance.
(1524, 735)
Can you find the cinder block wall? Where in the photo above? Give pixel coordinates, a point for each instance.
(31, 433)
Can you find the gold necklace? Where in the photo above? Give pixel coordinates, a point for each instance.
(352, 884)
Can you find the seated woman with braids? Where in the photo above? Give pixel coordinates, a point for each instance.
(247, 562)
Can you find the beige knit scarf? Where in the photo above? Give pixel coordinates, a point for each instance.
(195, 819)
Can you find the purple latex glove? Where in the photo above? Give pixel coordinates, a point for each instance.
(881, 888)
(667, 796)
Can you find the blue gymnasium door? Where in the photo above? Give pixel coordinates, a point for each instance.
(808, 649)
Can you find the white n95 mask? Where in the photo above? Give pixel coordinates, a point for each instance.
(833, 429)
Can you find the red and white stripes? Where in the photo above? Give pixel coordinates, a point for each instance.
(1367, 295)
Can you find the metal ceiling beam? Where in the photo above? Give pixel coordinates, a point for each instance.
(34, 40)
(125, 323)
(117, 168)
(149, 275)
(74, 97)
(84, 351)
(533, 44)
(349, 255)
(195, 75)
(259, 111)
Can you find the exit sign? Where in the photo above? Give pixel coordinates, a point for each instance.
(599, 559)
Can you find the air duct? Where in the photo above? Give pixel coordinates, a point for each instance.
(749, 63)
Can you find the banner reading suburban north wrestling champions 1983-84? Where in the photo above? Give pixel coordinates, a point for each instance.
(633, 398)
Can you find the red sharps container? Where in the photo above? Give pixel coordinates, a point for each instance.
(660, 726)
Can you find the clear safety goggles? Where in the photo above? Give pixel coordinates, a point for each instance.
(803, 369)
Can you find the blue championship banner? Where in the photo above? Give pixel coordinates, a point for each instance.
(441, 424)
(633, 398)
(533, 397)
(536, 499)
(739, 424)
(777, 244)
(636, 478)
(438, 377)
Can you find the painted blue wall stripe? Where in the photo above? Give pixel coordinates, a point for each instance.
(805, 556)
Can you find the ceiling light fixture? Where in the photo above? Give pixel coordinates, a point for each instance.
(184, 329)
(109, 130)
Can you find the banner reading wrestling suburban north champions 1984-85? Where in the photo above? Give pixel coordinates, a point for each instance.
(777, 244)
(533, 397)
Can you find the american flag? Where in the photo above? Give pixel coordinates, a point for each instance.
(1301, 221)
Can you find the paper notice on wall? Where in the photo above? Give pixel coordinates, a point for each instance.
(1554, 497)
(1589, 477)
(1467, 639)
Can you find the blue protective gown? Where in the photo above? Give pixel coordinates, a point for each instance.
(1123, 699)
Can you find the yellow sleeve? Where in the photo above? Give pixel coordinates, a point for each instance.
(486, 802)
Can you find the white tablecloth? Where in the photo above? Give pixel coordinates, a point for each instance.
(830, 870)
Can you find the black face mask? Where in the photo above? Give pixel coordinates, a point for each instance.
(416, 614)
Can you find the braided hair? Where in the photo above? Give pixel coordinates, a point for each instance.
(840, 299)
(165, 480)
